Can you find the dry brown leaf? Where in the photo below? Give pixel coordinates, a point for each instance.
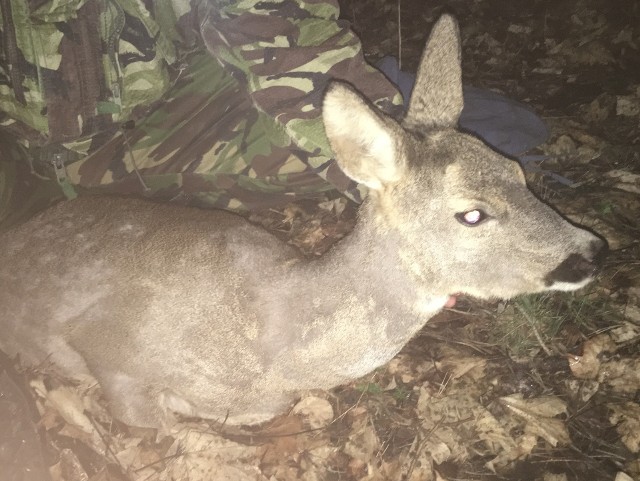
(582, 390)
(623, 477)
(632, 312)
(524, 446)
(554, 431)
(129, 457)
(388, 470)
(544, 406)
(92, 440)
(199, 455)
(457, 365)
(538, 415)
(626, 418)
(449, 416)
(363, 443)
(587, 366)
(70, 467)
(334, 205)
(622, 375)
(494, 434)
(282, 457)
(291, 212)
(585, 53)
(416, 464)
(357, 468)
(599, 109)
(409, 368)
(317, 463)
(439, 452)
(148, 456)
(50, 417)
(628, 105)
(564, 145)
(627, 181)
(627, 332)
(70, 406)
(316, 412)
(514, 28)
(439, 477)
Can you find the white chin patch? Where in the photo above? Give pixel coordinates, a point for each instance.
(432, 305)
(569, 286)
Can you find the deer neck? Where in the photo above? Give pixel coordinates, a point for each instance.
(369, 264)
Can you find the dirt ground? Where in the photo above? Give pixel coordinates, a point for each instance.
(542, 388)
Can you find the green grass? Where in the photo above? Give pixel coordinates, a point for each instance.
(531, 323)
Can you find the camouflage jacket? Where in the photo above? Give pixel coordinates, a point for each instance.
(74, 69)
(218, 101)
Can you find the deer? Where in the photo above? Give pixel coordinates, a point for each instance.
(179, 311)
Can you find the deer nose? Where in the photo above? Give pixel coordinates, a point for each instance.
(578, 267)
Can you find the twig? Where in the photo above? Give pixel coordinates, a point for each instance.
(535, 330)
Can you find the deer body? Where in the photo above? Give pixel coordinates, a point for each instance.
(277, 317)
(173, 309)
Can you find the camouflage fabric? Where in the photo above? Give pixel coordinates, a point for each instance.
(135, 95)
(186, 150)
(22, 192)
(285, 53)
(72, 69)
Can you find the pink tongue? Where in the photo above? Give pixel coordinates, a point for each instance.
(450, 302)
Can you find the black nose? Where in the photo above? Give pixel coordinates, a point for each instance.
(578, 267)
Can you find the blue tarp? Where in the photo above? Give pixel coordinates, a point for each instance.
(510, 127)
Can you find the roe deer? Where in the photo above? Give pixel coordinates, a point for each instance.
(181, 310)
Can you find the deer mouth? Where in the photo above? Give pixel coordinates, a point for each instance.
(451, 301)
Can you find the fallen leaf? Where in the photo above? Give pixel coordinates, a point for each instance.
(514, 28)
(587, 366)
(409, 368)
(334, 205)
(623, 477)
(538, 415)
(562, 146)
(70, 467)
(628, 105)
(449, 415)
(524, 446)
(438, 477)
(627, 181)
(627, 332)
(69, 405)
(626, 418)
(544, 406)
(632, 312)
(317, 412)
(494, 434)
(363, 443)
(582, 389)
(199, 455)
(623, 375)
(416, 464)
(458, 365)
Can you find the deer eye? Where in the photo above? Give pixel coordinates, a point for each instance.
(471, 218)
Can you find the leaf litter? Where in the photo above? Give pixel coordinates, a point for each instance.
(459, 402)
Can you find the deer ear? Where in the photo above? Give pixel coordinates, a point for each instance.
(367, 145)
(436, 100)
